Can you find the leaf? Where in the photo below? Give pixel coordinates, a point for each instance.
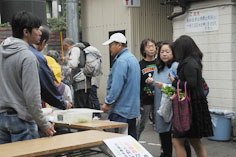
(170, 91)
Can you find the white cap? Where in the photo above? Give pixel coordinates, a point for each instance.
(117, 37)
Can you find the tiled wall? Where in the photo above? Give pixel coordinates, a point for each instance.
(219, 49)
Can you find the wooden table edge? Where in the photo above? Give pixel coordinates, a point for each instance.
(82, 125)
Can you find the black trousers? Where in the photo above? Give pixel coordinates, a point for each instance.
(166, 144)
(81, 99)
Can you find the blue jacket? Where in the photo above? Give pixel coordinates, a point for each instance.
(49, 92)
(123, 86)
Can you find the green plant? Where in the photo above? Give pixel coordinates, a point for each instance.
(170, 91)
(57, 24)
(5, 24)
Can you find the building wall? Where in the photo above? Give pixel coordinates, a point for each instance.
(0, 12)
(10, 7)
(102, 16)
(54, 9)
(98, 18)
(219, 49)
(150, 21)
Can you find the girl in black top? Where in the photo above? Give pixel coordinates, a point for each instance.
(190, 69)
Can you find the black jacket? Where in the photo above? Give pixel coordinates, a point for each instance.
(189, 70)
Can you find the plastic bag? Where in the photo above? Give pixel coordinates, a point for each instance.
(225, 113)
(165, 109)
(79, 76)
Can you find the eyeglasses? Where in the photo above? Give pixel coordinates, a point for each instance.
(151, 46)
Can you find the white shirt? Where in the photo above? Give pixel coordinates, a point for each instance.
(74, 55)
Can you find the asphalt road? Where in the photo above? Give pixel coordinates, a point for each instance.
(150, 140)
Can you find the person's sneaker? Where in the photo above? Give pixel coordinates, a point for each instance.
(96, 118)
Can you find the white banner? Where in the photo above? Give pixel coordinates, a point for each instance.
(202, 20)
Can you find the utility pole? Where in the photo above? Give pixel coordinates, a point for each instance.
(72, 19)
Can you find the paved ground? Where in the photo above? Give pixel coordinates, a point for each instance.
(150, 141)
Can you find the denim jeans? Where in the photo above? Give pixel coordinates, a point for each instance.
(14, 129)
(131, 123)
(143, 119)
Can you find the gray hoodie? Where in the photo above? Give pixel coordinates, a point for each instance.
(19, 82)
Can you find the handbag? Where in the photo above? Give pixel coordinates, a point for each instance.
(182, 111)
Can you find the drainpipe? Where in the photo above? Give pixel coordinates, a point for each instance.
(72, 19)
(178, 13)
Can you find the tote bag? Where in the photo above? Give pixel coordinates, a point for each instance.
(182, 111)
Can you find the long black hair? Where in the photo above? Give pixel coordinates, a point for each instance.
(184, 47)
(160, 63)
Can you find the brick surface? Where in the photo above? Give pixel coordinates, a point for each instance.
(54, 42)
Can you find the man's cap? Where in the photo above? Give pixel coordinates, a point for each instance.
(117, 37)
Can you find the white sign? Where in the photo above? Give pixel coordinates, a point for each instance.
(126, 146)
(131, 3)
(203, 20)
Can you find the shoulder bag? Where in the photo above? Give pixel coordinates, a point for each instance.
(182, 111)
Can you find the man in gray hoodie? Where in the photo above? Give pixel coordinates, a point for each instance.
(20, 101)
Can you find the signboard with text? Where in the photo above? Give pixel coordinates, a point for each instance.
(202, 20)
(131, 3)
(126, 146)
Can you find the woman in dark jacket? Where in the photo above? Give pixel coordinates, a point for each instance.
(189, 56)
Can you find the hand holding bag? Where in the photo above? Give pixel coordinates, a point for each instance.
(165, 109)
(182, 111)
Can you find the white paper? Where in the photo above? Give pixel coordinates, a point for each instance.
(126, 146)
(202, 20)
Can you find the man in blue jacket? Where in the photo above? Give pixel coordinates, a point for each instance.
(123, 85)
(49, 91)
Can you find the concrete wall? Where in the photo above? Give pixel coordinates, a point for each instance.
(98, 19)
(54, 9)
(103, 16)
(150, 21)
(10, 7)
(218, 48)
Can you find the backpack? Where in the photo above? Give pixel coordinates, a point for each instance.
(90, 60)
(205, 87)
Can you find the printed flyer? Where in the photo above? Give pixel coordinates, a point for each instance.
(126, 146)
